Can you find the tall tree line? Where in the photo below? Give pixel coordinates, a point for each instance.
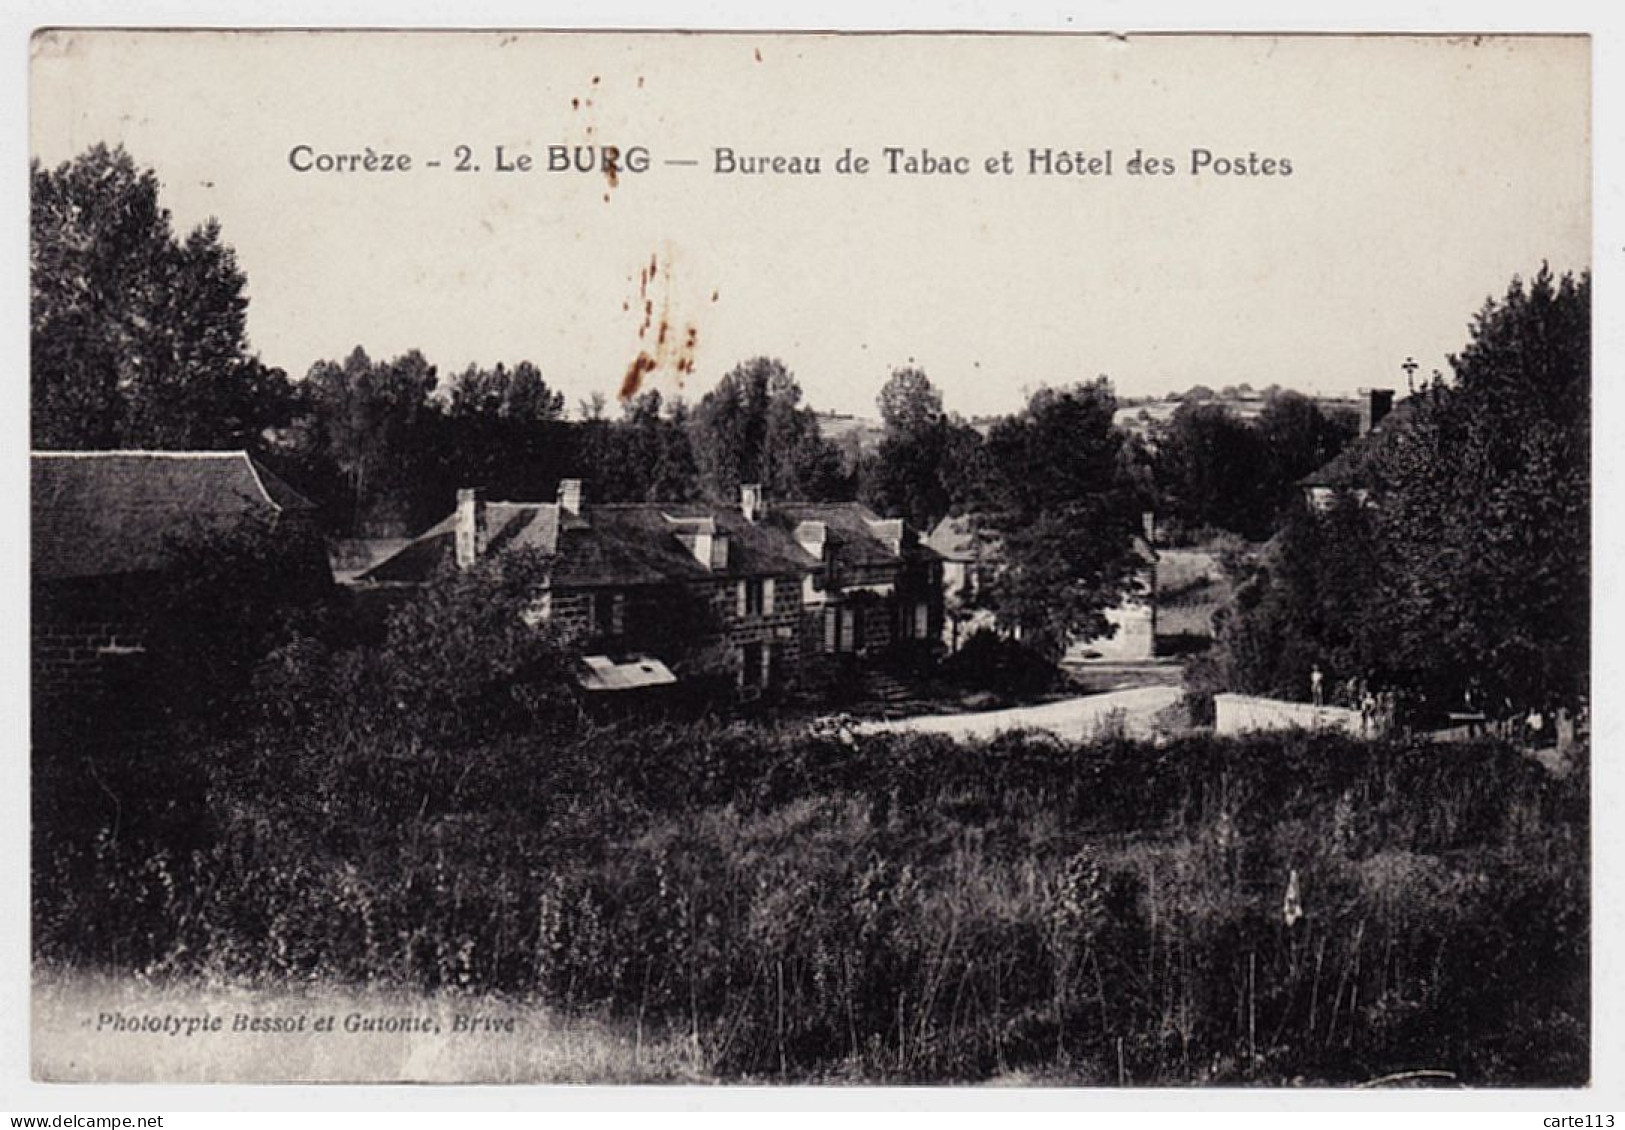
(140, 341)
(1465, 561)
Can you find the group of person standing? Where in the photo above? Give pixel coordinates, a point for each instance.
(1377, 708)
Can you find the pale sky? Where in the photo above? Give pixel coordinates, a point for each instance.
(1425, 173)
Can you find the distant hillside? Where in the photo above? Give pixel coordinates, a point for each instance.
(857, 435)
(1141, 415)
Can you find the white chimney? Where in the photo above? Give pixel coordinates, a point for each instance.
(570, 496)
(751, 502)
(470, 526)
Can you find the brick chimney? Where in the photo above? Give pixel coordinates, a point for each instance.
(752, 502)
(1375, 403)
(570, 496)
(470, 526)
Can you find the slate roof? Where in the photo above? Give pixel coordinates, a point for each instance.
(637, 543)
(1350, 467)
(761, 548)
(852, 538)
(105, 513)
(527, 525)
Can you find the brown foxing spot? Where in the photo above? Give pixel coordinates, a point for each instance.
(641, 365)
(671, 345)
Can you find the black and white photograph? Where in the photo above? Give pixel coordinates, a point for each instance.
(810, 560)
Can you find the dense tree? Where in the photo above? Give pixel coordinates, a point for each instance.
(1485, 500)
(501, 429)
(230, 594)
(1314, 595)
(363, 432)
(642, 457)
(1465, 559)
(753, 428)
(1063, 519)
(909, 402)
(1209, 467)
(519, 394)
(138, 338)
(1296, 437)
(1215, 470)
(657, 450)
(928, 462)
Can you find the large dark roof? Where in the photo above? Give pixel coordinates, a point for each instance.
(1351, 466)
(853, 538)
(517, 525)
(638, 543)
(102, 513)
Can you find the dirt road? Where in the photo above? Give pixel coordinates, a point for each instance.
(1130, 711)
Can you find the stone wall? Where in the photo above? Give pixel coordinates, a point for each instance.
(781, 627)
(84, 640)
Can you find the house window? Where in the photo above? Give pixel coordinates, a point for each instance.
(841, 629)
(756, 597)
(608, 613)
(922, 620)
(754, 665)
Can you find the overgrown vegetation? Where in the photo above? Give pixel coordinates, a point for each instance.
(905, 908)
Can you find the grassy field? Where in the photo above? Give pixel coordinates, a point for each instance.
(1191, 586)
(737, 902)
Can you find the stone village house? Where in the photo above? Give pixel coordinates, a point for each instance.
(104, 527)
(1381, 420)
(795, 596)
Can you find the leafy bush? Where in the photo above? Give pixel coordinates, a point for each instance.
(989, 661)
(821, 905)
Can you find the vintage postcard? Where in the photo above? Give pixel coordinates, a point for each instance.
(818, 559)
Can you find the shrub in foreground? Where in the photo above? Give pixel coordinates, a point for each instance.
(899, 908)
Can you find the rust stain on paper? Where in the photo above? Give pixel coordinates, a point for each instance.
(665, 341)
